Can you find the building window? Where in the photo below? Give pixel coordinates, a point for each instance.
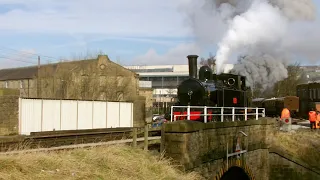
(102, 81)
(120, 96)
(155, 78)
(21, 84)
(170, 78)
(120, 81)
(6, 84)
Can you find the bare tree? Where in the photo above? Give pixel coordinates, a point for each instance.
(210, 61)
(287, 87)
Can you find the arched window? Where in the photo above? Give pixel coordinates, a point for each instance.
(120, 96)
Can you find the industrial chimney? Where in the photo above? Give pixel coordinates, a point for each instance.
(193, 68)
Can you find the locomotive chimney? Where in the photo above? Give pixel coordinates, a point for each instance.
(193, 68)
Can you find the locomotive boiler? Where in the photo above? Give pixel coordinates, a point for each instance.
(212, 90)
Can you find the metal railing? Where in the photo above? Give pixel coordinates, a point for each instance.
(219, 111)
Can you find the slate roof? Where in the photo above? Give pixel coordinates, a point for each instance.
(28, 72)
(31, 72)
(18, 73)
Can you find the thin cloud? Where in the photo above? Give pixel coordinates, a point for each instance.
(12, 59)
(176, 55)
(80, 41)
(116, 18)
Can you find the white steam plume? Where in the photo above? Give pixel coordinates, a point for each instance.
(268, 32)
(264, 22)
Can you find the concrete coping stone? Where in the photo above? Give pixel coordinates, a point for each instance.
(187, 126)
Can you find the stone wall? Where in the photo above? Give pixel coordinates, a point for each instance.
(9, 111)
(148, 94)
(139, 114)
(27, 87)
(282, 167)
(203, 146)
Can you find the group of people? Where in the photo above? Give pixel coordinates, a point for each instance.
(314, 118)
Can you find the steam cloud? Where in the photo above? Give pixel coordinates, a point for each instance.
(264, 22)
(266, 70)
(253, 28)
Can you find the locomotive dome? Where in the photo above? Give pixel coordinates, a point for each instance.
(205, 73)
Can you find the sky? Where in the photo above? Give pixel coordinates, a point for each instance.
(140, 32)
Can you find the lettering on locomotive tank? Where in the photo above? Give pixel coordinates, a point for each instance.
(235, 100)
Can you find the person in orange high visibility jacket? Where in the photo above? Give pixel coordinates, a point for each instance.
(317, 124)
(312, 118)
(285, 120)
(285, 114)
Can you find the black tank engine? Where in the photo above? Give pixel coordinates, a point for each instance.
(224, 90)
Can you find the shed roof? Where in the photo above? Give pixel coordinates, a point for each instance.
(30, 72)
(18, 73)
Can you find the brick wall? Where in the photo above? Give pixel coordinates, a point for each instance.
(202, 146)
(9, 111)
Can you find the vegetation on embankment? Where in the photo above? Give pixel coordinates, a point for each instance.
(302, 144)
(112, 162)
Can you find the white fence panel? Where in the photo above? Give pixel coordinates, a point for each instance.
(99, 115)
(36, 115)
(30, 116)
(85, 114)
(51, 115)
(113, 115)
(69, 115)
(126, 118)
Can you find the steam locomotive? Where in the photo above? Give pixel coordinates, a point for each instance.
(223, 90)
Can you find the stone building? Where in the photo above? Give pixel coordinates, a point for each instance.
(94, 79)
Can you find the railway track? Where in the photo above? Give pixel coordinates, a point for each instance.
(51, 139)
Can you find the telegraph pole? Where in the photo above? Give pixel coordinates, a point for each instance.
(38, 78)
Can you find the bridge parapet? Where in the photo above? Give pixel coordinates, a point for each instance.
(203, 146)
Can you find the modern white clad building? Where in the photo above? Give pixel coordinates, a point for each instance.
(165, 79)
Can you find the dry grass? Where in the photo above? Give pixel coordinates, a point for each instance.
(112, 162)
(302, 144)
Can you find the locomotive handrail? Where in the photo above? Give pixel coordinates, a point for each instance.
(205, 114)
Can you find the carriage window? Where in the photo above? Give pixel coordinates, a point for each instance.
(305, 93)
